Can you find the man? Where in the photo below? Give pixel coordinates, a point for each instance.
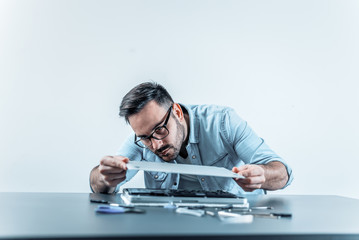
(189, 134)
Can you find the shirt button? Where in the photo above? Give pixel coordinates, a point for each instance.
(202, 179)
(175, 183)
(194, 156)
(156, 176)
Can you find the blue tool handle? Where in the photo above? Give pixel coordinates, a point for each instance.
(110, 209)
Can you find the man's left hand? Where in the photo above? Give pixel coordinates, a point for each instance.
(254, 177)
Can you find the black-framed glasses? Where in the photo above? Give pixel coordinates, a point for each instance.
(158, 133)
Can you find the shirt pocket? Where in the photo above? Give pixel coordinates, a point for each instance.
(155, 179)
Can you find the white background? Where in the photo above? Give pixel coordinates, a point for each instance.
(290, 68)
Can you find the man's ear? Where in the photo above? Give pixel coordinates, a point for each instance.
(177, 110)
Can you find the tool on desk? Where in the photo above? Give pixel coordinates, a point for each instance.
(271, 215)
(264, 215)
(210, 213)
(111, 203)
(228, 214)
(243, 210)
(207, 212)
(170, 205)
(229, 217)
(193, 212)
(238, 210)
(113, 209)
(262, 208)
(99, 201)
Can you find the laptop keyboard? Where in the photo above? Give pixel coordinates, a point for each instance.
(181, 193)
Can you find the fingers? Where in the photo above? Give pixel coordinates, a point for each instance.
(108, 170)
(235, 170)
(113, 176)
(254, 177)
(250, 170)
(240, 169)
(253, 180)
(114, 182)
(113, 179)
(249, 187)
(113, 170)
(115, 161)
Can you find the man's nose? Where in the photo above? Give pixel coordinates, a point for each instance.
(156, 144)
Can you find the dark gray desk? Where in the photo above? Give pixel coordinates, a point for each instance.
(71, 215)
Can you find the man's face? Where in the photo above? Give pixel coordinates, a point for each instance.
(152, 116)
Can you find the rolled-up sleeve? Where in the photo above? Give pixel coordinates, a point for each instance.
(249, 147)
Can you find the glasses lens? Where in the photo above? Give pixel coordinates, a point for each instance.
(146, 141)
(160, 133)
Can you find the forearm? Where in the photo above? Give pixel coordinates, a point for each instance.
(276, 175)
(97, 184)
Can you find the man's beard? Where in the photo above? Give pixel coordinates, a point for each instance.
(176, 148)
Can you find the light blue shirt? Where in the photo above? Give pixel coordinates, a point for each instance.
(218, 137)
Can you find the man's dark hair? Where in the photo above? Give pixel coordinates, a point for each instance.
(136, 99)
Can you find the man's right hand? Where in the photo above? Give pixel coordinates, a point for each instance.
(113, 169)
(110, 172)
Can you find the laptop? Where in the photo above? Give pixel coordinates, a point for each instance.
(182, 198)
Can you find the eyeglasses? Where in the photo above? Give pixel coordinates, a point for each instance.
(159, 133)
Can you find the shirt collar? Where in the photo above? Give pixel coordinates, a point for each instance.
(193, 124)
